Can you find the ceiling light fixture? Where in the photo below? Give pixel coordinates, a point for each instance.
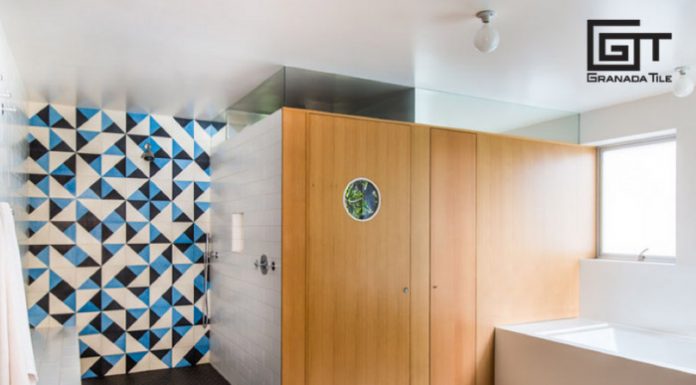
(683, 85)
(487, 38)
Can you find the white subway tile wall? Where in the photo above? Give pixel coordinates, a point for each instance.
(245, 330)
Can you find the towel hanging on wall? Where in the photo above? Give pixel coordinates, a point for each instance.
(17, 365)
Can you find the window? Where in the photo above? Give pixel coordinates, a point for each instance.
(638, 199)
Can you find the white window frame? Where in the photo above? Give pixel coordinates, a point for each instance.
(616, 146)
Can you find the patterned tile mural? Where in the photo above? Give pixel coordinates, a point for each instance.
(115, 243)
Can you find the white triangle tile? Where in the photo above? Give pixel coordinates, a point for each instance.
(84, 273)
(118, 117)
(58, 237)
(85, 171)
(41, 237)
(57, 306)
(133, 302)
(67, 214)
(133, 345)
(164, 143)
(143, 236)
(164, 184)
(93, 123)
(119, 236)
(141, 280)
(40, 285)
(85, 318)
(68, 113)
(144, 364)
(83, 236)
(164, 322)
(67, 135)
(165, 342)
(109, 139)
(42, 134)
(30, 166)
(57, 190)
(32, 108)
(41, 213)
(156, 363)
(134, 215)
(57, 159)
(94, 341)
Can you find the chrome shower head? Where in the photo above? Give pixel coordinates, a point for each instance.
(148, 155)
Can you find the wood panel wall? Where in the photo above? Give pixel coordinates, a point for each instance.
(535, 220)
(295, 247)
(453, 256)
(420, 255)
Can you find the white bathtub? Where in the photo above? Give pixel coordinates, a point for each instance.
(586, 352)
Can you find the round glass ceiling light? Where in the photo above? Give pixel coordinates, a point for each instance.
(487, 38)
(683, 86)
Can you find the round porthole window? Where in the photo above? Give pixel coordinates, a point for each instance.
(361, 199)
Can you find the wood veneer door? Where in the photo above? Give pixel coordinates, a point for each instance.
(357, 312)
(453, 257)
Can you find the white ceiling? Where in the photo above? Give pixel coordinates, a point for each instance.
(197, 57)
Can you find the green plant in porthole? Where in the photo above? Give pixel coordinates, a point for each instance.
(361, 199)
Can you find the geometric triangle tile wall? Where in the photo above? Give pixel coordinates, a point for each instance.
(115, 243)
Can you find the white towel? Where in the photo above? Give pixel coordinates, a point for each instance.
(17, 366)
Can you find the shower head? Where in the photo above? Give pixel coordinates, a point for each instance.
(147, 154)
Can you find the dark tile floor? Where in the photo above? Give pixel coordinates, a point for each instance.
(201, 374)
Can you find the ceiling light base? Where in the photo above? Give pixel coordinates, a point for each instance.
(486, 15)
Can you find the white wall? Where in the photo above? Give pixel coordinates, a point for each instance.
(12, 129)
(564, 129)
(468, 112)
(246, 178)
(649, 295)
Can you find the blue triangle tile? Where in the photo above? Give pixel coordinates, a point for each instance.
(34, 203)
(160, 265)
(36, 273)
(53, 280)
(137, 269)
(114, 150)
(44, 161)
(43, 185)
(36, 315)
(35, 226)
(36, 121)
(113, 248)
(106, 121)
(89, 374)
(88, 329)
(89, 307)
(113, 359)
(88, 112)
(70, 301)
(160, 332)
(138, 356)
(89, 284)
(167, 359)
(53, 116)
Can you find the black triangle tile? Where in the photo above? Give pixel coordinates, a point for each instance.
(114, 129)
(80, 118)
(37, 150)
(62, 290)
(62, 123)
(62, 318)
(44, 115)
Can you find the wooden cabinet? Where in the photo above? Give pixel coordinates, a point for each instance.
(474, 230)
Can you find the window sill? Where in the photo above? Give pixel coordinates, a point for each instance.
(634, 259)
